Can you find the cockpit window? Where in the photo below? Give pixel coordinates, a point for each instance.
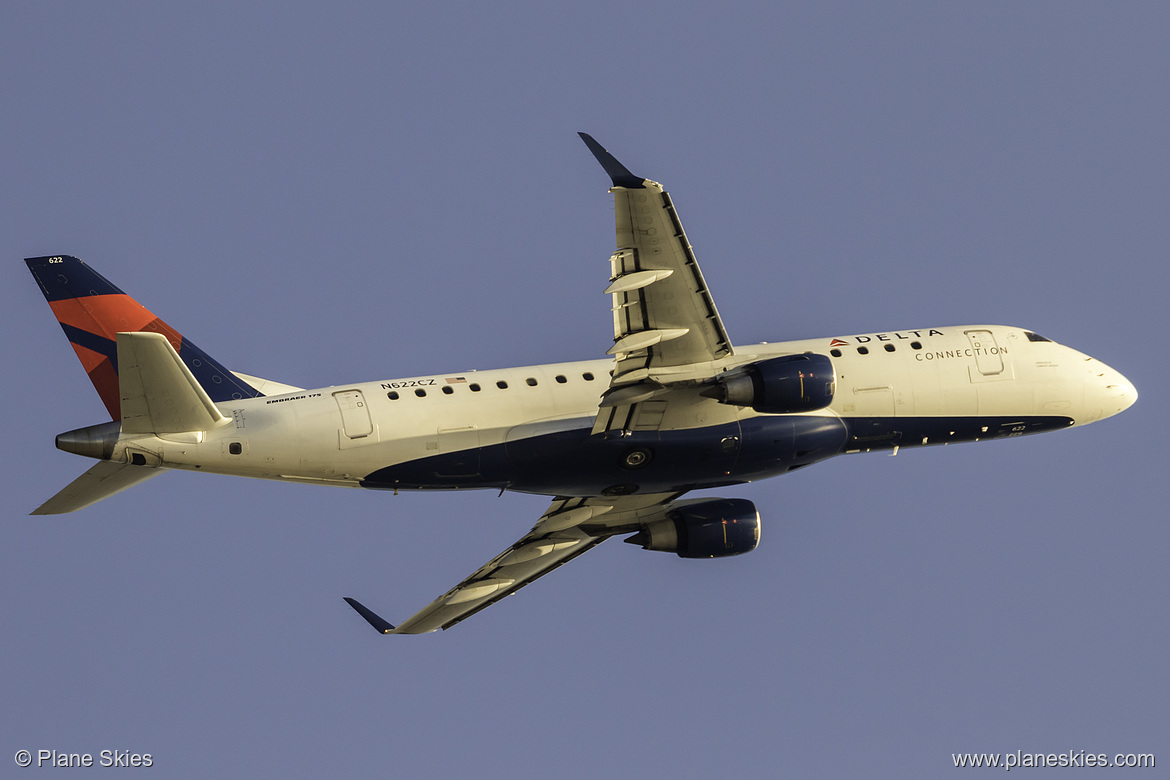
(1035, 336)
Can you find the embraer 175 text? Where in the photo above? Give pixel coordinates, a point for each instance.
(616, 442)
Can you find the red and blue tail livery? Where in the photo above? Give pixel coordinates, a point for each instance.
(674, 406)
(92, 312)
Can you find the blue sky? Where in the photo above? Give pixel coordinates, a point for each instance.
(327, 194)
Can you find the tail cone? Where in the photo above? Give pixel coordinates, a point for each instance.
(96, 441)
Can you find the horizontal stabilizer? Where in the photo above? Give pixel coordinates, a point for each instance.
(158, 392)
(102, 481)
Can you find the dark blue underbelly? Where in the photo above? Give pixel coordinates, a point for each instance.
(574, 463)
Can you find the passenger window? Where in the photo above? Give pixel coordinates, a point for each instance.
(889, 347)
(835, 352)
(473, 387)
(502, 385)
(561, 379)
(421, 393)
(863, 350)
(392, 395)
(587, 376)
(915, 345)
(531, 382)
(447, 389)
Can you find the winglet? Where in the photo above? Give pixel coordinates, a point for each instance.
(380, 625)
(619, 173)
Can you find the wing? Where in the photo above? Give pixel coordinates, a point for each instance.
(570, 527)
(666, 328)
(664, 315)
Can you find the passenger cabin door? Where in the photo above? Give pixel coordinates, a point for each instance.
(355, 415)
(989, 362)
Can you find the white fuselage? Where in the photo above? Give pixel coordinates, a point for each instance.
(483, 428)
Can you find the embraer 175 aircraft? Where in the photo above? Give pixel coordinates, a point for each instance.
(617, 441)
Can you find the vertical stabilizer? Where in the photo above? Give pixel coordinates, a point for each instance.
(92, 311)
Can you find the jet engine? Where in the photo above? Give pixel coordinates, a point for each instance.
(782, 385)
(704, 529)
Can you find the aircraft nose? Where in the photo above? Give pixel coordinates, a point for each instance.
(1123, 390)
(1118, 392)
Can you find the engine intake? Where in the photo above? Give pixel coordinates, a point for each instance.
(706, 529)
(782, 385)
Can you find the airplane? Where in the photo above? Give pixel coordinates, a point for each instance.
(616, 442)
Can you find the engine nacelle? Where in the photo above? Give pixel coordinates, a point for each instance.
(782, 385)
(706, 529)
